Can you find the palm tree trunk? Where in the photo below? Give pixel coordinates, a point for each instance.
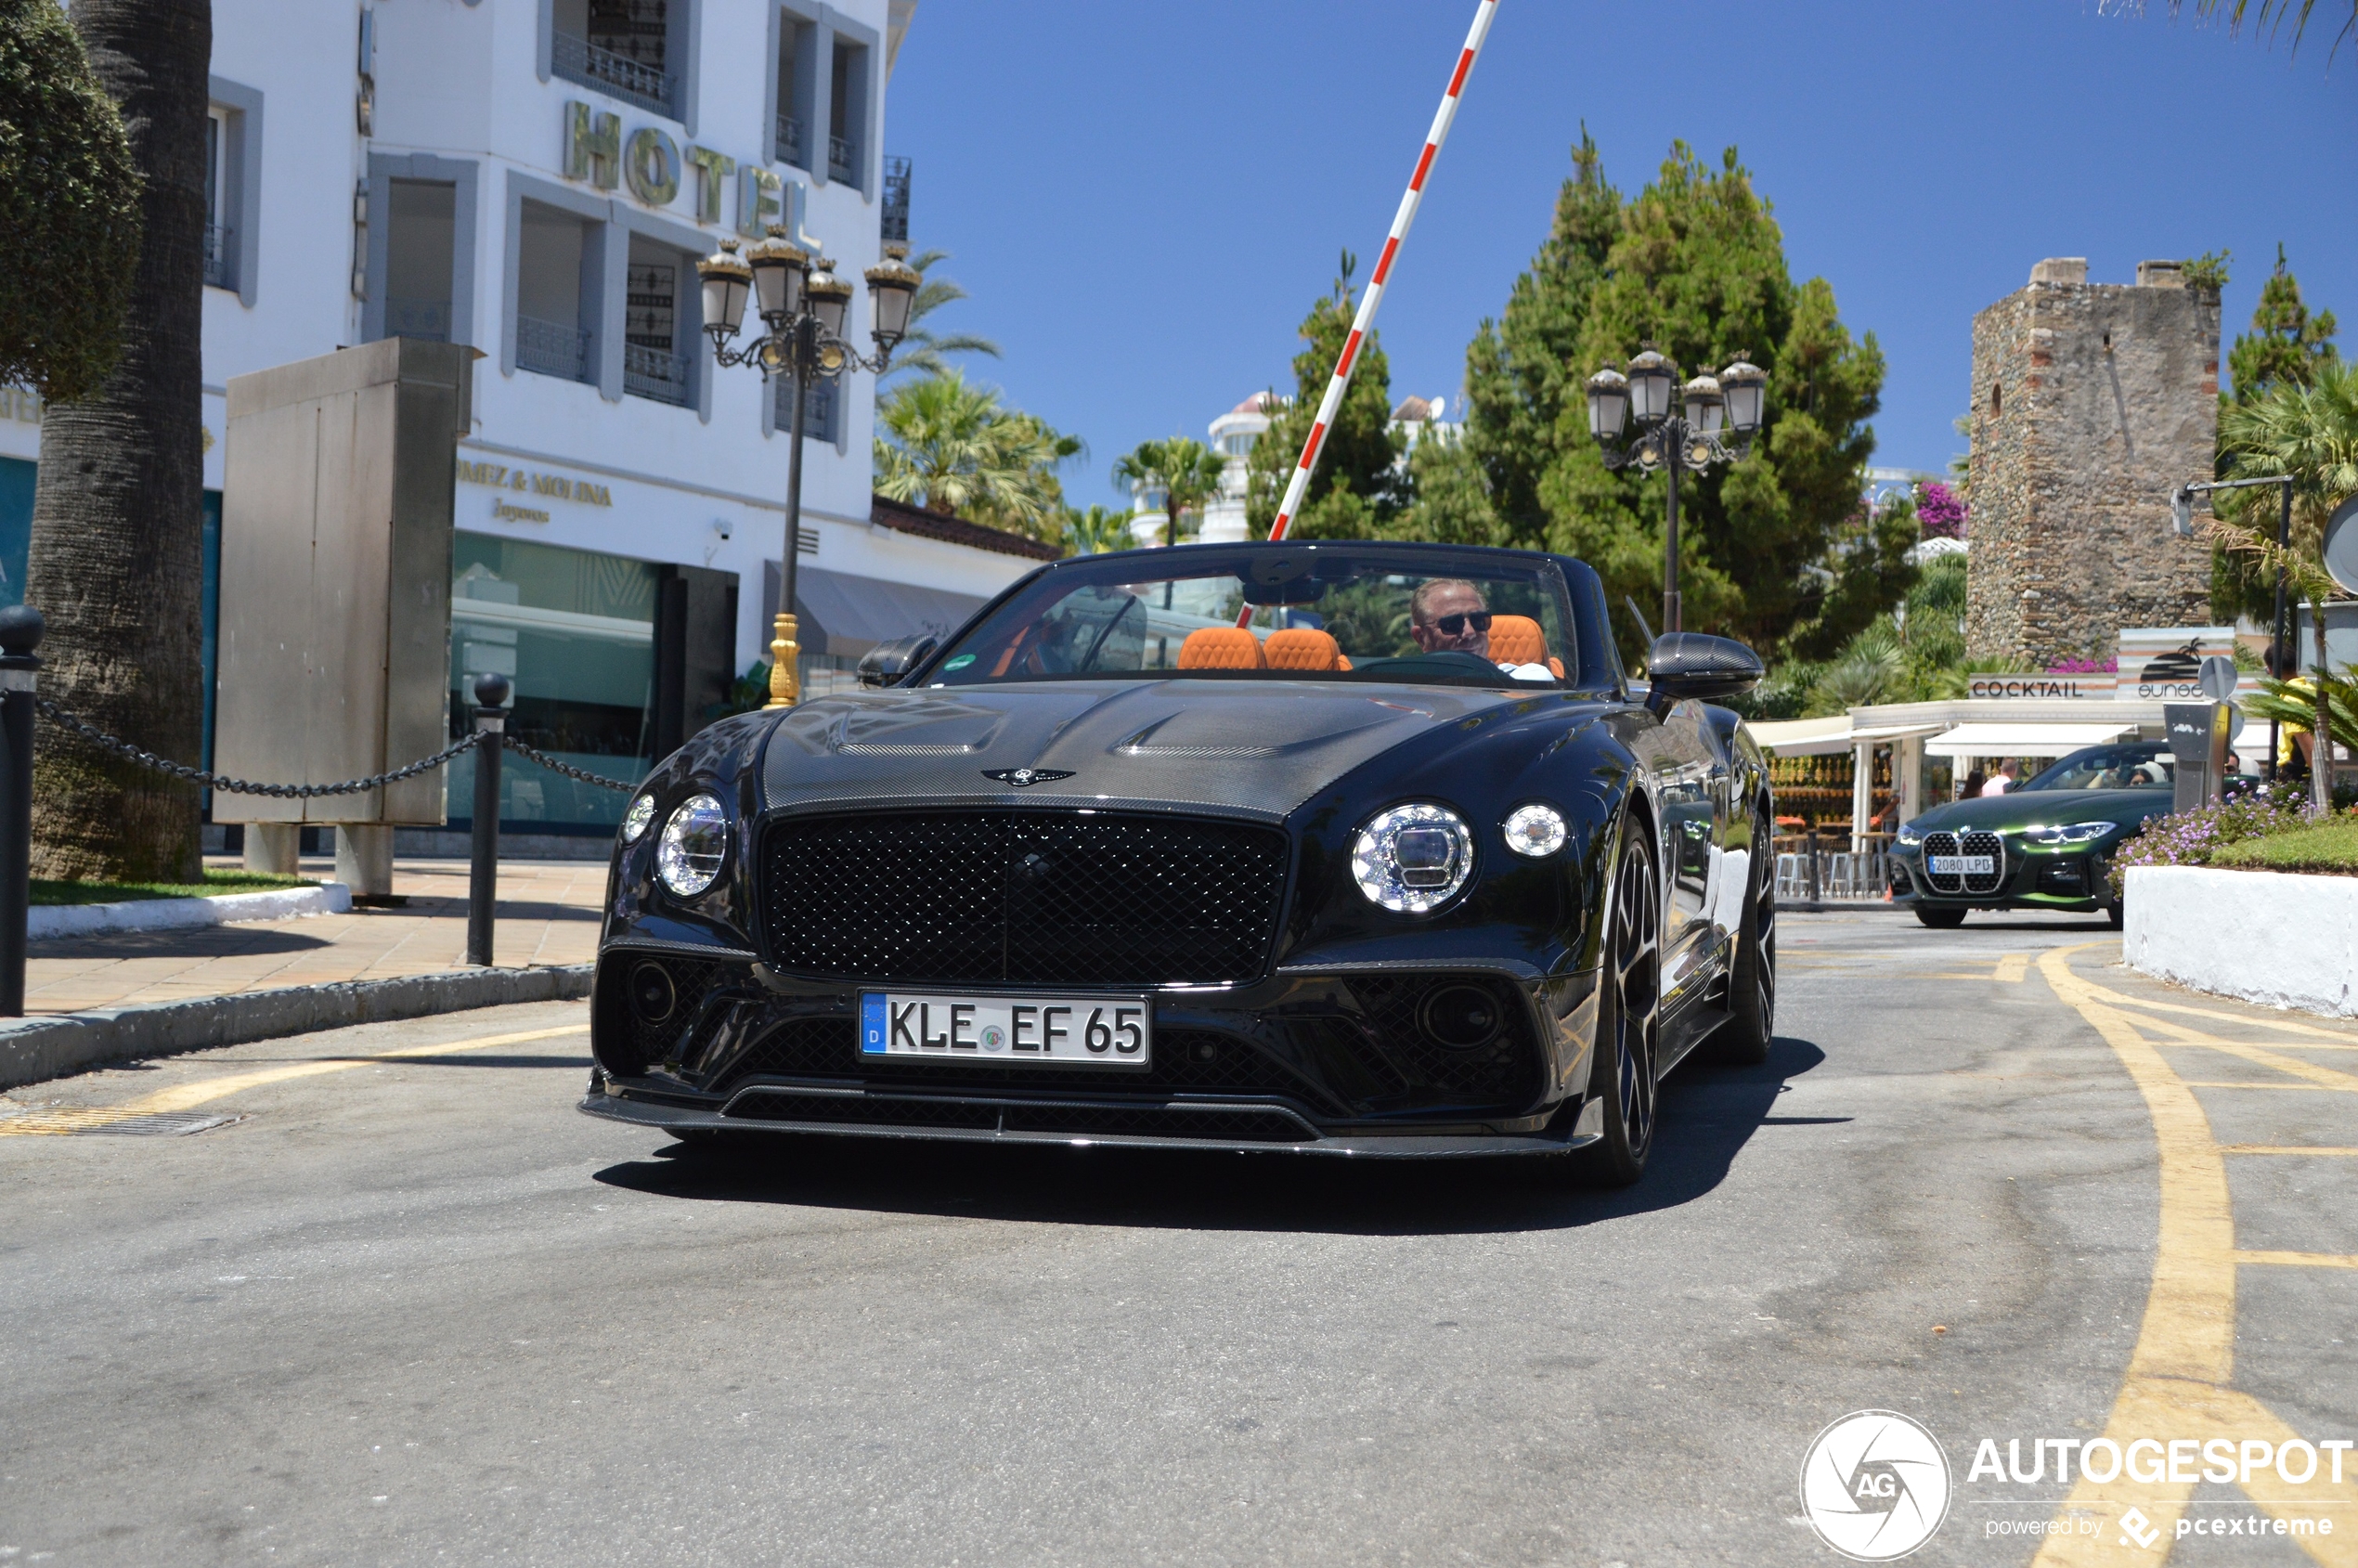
(117, 553)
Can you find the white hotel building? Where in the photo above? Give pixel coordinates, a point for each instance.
(537, 178)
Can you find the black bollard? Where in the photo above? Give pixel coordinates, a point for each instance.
(20, 631)
(483, 876)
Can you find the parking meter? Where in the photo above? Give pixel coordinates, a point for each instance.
(2198, 734)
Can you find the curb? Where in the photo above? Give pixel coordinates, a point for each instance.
(35, 1049)
(44, 921)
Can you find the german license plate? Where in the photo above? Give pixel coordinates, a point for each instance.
(1114, 1031)
(1963, 865)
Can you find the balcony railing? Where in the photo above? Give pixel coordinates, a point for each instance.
(790, 140)
(657, 375)
(552, 348)
(819, 407)
(428, 319)
(896, 200)
(216, 257)
(578, 60)
(839, 153)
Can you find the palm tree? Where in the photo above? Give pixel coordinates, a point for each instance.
(954, 450)
(921, 348)
(116, 561)
(1184, 469)
(2311, 433)
(1098, 531)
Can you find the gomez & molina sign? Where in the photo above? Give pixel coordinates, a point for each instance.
(557, 486)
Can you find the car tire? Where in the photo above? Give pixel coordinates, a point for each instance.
(1622, 1073)
(1941, 919)
(2115, 915)
(1743, 1040)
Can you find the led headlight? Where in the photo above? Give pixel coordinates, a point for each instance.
(635, 820)
(2077, 832)
(1910, 836)
(1412, 859)
(695, 842)
(1534, 830)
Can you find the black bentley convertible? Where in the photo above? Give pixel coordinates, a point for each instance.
(1351, 848)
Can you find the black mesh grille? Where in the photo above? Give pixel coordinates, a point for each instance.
(630, 1041)
(1503, 1072)
(1194, 1061)
(1974, 843)
(944, 897)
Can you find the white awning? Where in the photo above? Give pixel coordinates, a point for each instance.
(2023, 739)
(1827, 737)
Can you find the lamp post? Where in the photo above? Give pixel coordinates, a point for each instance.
(1670, 438)
(802, 303)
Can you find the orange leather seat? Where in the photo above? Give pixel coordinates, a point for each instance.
(1517, 639)
(1222, 647)
(1304, 647)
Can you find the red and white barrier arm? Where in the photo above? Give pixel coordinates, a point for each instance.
(1483, 11)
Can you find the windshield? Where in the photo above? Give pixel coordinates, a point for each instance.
(1318, 612)
(2109, 767)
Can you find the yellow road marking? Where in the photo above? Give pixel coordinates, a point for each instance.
(2099, 993)
(2176, 1385)
(2283, 1148)
(2227, 1083)
(2011, 967)
(2300, 1260)
(187, 1096)
(2260, 1056)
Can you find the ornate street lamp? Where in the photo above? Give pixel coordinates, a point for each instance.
(804, 306)
(1688, 438)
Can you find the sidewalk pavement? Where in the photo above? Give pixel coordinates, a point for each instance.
(547, 913)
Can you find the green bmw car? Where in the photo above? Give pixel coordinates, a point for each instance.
(2045, 844)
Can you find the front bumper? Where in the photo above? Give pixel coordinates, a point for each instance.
(2066, 880)
(1336, 1061)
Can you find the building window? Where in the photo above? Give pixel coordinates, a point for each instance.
(624, 48)
(658, 336)
(216, 227)
(421, 220)
(822, 403)
(553, 311)
(895, 225)
(797, 89)
(848, 113)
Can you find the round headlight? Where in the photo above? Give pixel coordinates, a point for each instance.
(695, 841)
(635, 820)
(1412, 859)
(1534, 830)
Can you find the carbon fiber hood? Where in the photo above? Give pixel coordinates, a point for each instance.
(1260, 749)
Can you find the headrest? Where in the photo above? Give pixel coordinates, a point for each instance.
(1221, 647)
(1516, 640)
(1302, 647)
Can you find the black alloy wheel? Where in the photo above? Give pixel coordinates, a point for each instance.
(1941, 919)
(1628, 1021)
(1752, 979)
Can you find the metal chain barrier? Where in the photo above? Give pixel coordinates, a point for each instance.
(566, 768)
(100, 738)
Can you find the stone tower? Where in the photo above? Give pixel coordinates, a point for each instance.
(2090, 402)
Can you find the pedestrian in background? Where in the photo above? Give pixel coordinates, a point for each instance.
(2008, 771)
(1972, 787)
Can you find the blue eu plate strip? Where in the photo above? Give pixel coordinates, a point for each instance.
(871, 1023)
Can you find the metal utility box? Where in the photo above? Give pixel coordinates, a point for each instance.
(335, 579)
(2198, 735)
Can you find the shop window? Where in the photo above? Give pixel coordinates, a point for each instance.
(422, 216)
(658, 362)
(553, 310)
(628, 49)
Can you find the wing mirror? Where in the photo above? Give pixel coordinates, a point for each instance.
(888, 661)
(1688, 664)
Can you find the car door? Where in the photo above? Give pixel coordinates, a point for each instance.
(1695, 784)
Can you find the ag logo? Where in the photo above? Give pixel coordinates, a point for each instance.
(1875, 1485)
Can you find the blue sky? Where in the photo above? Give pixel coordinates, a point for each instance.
(1143, 198)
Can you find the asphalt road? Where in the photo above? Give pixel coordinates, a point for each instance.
(415, 1310)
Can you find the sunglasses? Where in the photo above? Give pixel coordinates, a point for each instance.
(1454, 625)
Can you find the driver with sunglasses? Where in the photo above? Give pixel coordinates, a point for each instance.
(1447, 616)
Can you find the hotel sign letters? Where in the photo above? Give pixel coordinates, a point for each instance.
(652, 164)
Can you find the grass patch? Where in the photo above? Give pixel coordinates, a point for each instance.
(2328, 846)
(214, 884)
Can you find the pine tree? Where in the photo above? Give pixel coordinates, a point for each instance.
(2287, 346)
(1356, 487)
(1777, 550)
